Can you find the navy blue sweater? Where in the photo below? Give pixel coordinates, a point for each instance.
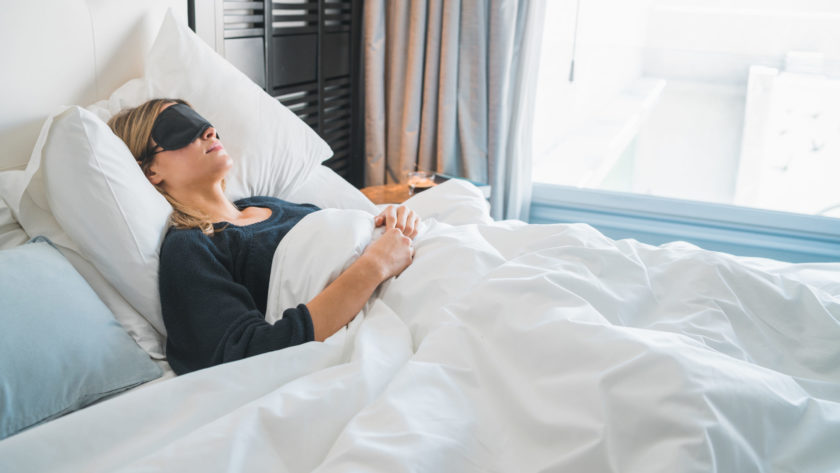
(214, 290)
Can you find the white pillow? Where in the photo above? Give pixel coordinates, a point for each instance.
(273, 149)
(105, 204)
(129, 95)
(328, 190)
(11, 233)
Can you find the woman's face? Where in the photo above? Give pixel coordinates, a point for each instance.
(203, 162)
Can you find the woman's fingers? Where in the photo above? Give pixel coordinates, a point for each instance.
(411, 224)
(412, 229)
(402, 215)
(387, 217)
(402, 218)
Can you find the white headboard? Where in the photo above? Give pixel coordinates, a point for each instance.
(64, 52)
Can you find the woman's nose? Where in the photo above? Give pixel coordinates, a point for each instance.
(209, 133)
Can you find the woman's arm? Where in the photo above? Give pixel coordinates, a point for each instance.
(339, 302)
(210, 318)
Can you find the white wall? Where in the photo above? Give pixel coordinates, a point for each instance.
(63, 53)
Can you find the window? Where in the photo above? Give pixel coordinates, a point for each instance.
(671, 103)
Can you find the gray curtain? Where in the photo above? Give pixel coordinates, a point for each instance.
(449, 87)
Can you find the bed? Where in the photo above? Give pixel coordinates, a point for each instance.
(503, 347)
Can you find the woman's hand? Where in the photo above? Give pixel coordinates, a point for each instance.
(390, 254)
(402, 218)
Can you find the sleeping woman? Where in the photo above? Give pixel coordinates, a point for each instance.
(215, 261)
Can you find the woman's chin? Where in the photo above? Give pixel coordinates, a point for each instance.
(223, 160)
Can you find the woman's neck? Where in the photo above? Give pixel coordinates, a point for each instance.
(210, 202)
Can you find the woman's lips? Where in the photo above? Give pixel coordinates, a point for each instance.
(215, 147)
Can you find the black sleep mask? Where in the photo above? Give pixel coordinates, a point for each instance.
(177, 126)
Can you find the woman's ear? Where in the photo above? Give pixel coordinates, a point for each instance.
(153, 177)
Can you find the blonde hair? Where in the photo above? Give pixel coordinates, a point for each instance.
(134, 127)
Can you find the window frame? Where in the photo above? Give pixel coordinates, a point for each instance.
(742, 231)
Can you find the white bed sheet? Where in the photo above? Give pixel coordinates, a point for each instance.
(503, 347)
(11, 233)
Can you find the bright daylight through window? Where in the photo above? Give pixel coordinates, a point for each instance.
(725, 101)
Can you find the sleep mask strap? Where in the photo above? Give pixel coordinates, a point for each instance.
(177, 126)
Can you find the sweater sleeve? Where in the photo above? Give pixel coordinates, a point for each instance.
(209, 317)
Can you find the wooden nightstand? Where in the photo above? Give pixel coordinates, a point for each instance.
(387, 194)
(398, 193)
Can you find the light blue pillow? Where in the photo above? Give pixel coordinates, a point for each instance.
(60, 347)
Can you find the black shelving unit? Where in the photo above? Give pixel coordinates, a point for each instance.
(307, 56)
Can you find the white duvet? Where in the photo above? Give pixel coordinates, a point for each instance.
(504, 347)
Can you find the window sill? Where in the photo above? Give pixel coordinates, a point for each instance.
(718, 227)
